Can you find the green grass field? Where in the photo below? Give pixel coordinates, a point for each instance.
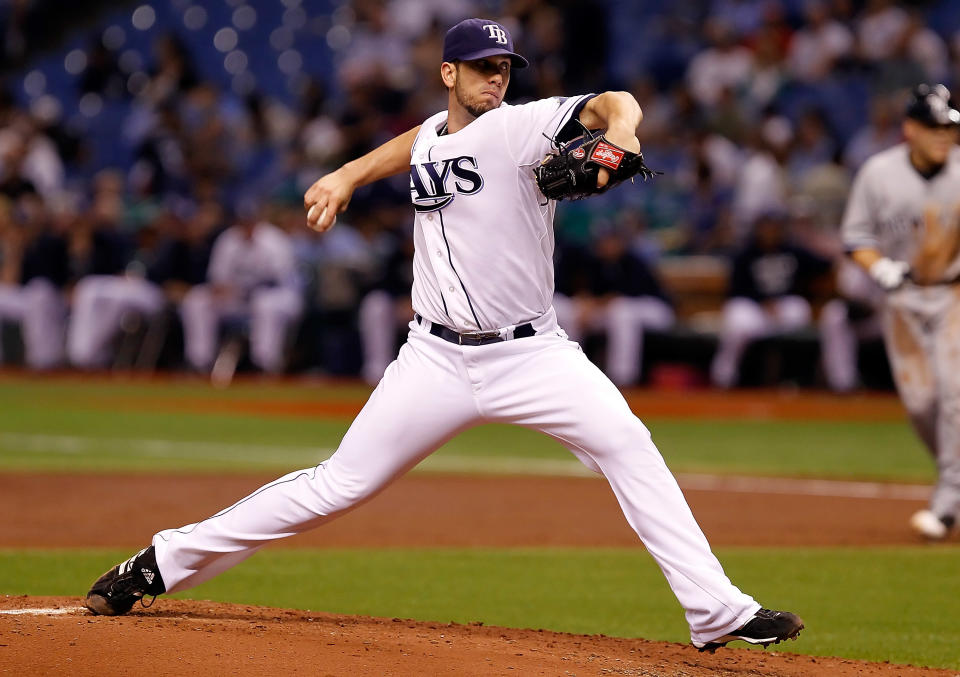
(883, 604)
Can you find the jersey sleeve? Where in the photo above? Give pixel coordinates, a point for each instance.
(531, 127)
(858, 227)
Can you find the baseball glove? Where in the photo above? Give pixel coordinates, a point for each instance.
(571, 173)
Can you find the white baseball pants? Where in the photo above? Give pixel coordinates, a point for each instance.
(99, 303)
(272, 312)
(437, 389)
(41, 310)
(745, 321)
(624, 319)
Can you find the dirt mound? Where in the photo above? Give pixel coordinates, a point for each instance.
(55, 636)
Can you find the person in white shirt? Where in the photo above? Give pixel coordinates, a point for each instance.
(484, 346)
(252, 277)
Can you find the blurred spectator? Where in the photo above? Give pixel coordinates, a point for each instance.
(925, 47)
(742, 16)
(762, 185)
(822, 193)
(722, 65)
(738, 99)
(820, 44)
(13, 152)
(881, 131)
(386, 307)
(172, 72)
(769, 46)
(252, 277)
(100, 253)
(102, 74)
(376, 52)
(812, 145)
(413, 18)
(21, 23)
(171, 256)
(33, 272)
(320, 136)
(880, 30)
(30, 157)
(847, 321)
(613, 290)
(767, 294)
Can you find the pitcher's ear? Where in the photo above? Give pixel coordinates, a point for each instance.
(448, 73)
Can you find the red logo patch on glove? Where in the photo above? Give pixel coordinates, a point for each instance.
(578, 153)
(607, 155)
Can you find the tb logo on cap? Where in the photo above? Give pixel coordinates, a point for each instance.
(496, 33)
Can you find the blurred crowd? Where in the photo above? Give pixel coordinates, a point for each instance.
(174, 236)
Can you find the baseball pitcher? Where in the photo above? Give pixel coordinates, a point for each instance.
(484, 344)
(901, 225)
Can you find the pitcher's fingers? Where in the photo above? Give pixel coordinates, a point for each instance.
(602, 177)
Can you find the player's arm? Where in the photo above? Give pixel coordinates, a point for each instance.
(331, 194)
(858, 231)
(620, 115)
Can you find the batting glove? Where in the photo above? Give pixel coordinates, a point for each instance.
(888, 273)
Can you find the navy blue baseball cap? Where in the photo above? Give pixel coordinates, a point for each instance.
(476, 38)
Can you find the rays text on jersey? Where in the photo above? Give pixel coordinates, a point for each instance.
(428, 182)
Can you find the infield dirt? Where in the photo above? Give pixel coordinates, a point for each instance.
(188, 638)
(192, 637)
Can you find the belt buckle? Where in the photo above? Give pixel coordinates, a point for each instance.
(479, 335)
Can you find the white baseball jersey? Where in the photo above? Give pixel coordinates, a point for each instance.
(246, 263)
(887, 200)
(484, 232)
(484, 261)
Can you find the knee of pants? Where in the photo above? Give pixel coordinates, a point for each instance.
(338, 491)
(377, 305)
(622, 437)
(918, 401)
(743, 317)
(833, 314)
(794, 312)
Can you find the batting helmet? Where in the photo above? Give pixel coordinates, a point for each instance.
(933, 106)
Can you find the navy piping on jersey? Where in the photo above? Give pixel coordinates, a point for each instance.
(304, 473)
(443, 232)
(442, 297)
(566, 119)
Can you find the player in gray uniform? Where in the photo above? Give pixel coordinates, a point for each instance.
(484, 346)
(902, 200)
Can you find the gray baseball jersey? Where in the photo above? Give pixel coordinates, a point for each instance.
(921, 323)
(886, 204)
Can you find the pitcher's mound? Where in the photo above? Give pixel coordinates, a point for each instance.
(56, 635)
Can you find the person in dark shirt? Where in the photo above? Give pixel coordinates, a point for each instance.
(612, 289)
(386, 306)
(171, 257)
(13, 183)
(769, 278)
(33, 272)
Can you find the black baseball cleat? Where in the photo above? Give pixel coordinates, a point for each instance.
(766, 627)
(117, 591)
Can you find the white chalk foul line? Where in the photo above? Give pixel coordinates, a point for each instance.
(494, 465)
(42, 612)
(804, 487)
